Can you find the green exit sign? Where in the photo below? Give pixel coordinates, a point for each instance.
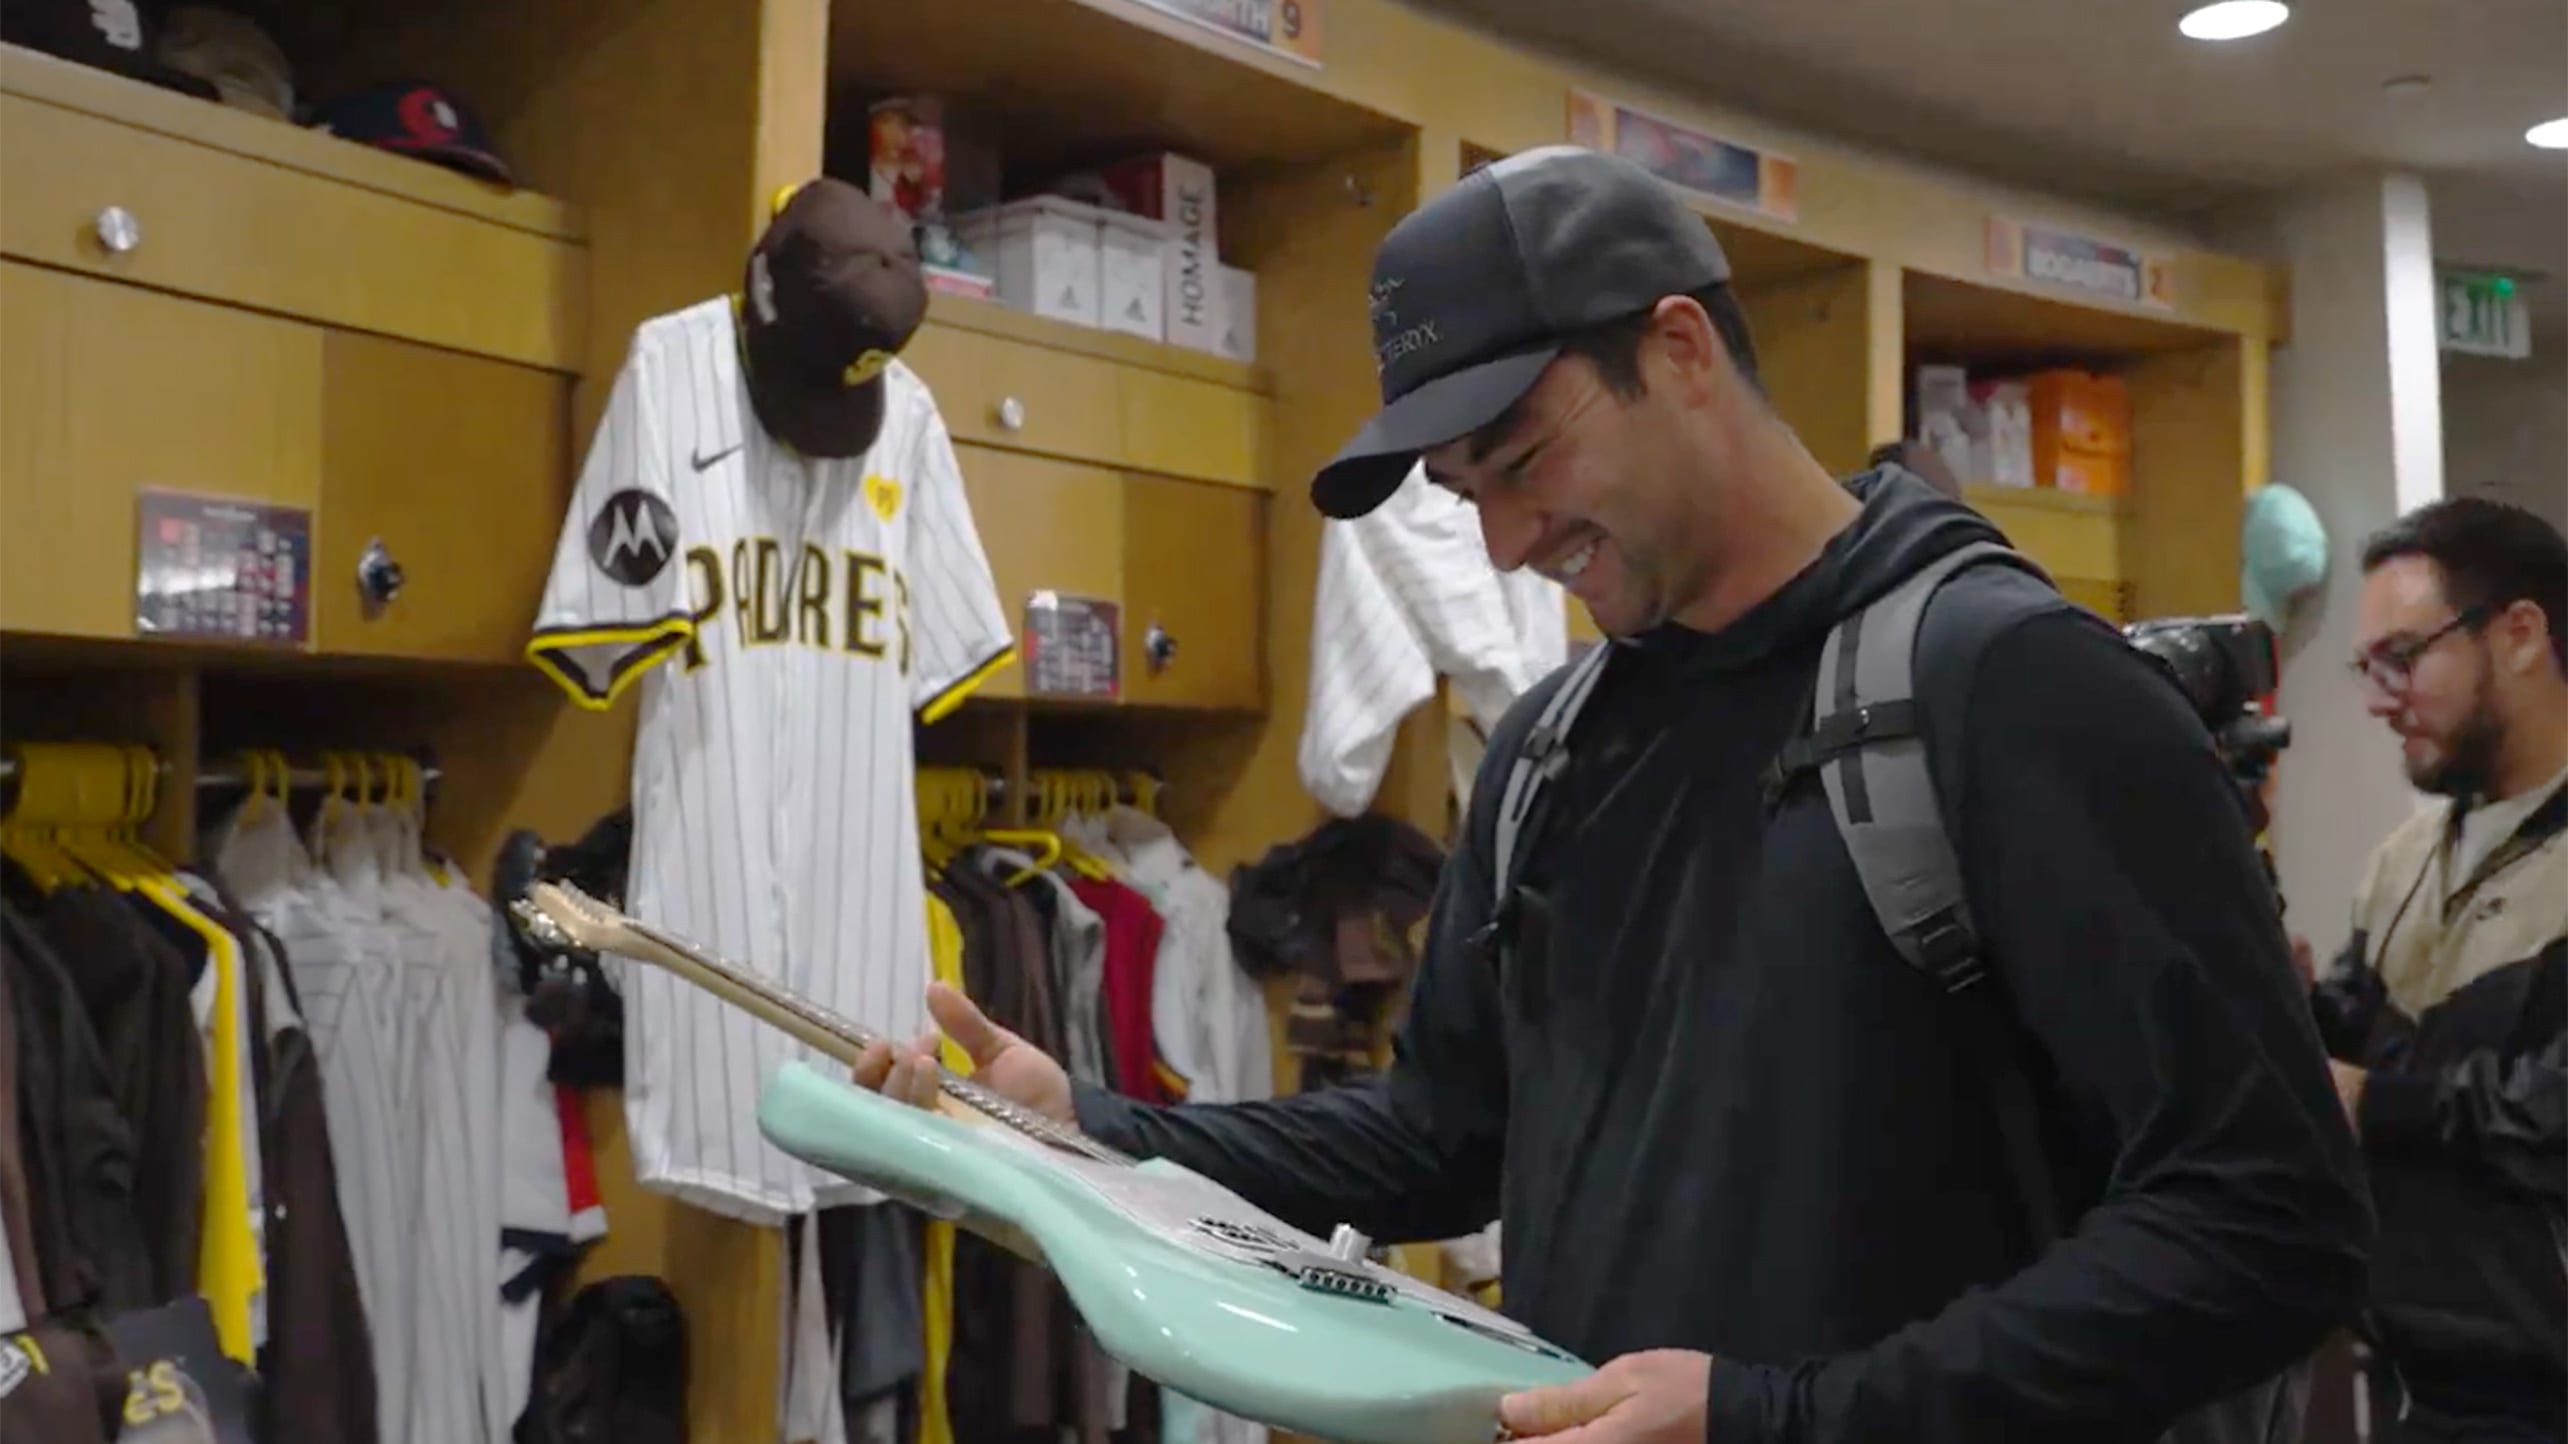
(2483, 315)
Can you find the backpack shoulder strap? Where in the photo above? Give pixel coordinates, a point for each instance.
(1539, 761)
(1871, 757)
(1872, 760)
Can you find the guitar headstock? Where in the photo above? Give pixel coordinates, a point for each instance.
(559, 915)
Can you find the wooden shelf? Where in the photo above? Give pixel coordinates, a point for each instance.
(1064, 83)
(178, 116)
(1998, 326)
(1763, 257)
(992, 318)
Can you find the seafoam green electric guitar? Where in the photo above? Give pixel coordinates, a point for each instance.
(1180, 1279)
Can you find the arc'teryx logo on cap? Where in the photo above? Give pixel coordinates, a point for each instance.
(1392, 340)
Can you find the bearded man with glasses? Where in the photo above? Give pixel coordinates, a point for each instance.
(2447, 1013)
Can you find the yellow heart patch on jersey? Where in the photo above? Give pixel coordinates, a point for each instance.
(884, 494)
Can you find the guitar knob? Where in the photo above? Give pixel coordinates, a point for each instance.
(1346, 1245)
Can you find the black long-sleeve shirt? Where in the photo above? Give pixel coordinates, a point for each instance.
(1719, 1113)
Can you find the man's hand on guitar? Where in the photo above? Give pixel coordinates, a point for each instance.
(1657, 1397)
(1001, 1061)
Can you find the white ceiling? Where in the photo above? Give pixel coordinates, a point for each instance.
(2104, 99)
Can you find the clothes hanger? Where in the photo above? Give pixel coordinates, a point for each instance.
(142, 779)
(414, 786)
(1145, 791)
(98, 794)
(1042, 845)
(325, 817)
(254, 806)
(370, 810)
(934, 802)
(25, 838)
(1057, 794)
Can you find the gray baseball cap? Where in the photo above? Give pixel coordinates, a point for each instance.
(1473, 291)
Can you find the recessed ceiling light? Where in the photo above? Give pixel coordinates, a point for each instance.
(2550, 134)
(2233, 19)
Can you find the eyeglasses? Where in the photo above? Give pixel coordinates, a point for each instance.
(2390, 664)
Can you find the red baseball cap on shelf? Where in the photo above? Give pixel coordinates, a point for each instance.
(416, 118)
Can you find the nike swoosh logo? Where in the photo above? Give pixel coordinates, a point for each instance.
(702, 461)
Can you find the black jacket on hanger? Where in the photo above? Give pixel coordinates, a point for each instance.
(74, 1144)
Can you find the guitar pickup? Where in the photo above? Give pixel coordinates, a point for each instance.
(1323, 1274)
(1328, 1278)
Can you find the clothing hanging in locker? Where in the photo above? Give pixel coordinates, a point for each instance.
(1094, 934)
(279, 1091)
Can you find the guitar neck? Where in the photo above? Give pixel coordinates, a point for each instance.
(843, 1038)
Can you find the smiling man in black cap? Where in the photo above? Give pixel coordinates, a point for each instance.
(1748, 1157)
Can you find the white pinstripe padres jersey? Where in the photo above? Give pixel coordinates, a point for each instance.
(1407, 592)
(784, 616)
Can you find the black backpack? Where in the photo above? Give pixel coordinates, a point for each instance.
(611, 1368)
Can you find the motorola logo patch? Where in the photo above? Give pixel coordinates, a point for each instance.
(632, 536)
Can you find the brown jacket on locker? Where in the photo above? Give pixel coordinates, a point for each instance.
(102, 1070)
(134, 985)
(1021, 1367)
(16, 1207)
(78, 1151)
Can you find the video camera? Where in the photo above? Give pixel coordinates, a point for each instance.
(2225, 667)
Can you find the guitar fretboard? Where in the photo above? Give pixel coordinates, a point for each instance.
(855, 1038)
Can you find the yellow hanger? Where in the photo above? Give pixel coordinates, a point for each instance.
(143, 777)
(93, 795)
(1145, 791)
(1056, 795)
(412, 777)
(334, 798)
(24, 838)
(1044, 847)
(935, 817)
(271, 781)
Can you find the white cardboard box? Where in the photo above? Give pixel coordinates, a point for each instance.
(1182, 193)
(1045, 254)
(1196, 304)
(1133, 253)
(1237, 338)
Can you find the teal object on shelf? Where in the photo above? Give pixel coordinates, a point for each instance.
(1185, 1282)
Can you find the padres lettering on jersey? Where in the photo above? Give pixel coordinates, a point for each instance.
(856, 603)
(787, 620)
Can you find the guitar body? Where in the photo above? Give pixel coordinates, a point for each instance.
(1182, 1280)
